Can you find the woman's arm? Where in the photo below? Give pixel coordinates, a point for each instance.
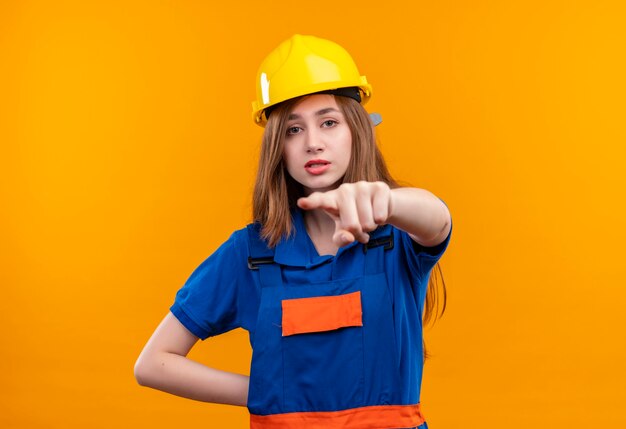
(420, 213)
(163, 365)
(358, 208)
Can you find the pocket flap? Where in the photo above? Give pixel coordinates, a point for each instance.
(321, 313)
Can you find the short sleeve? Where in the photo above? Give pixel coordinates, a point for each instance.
(209, 302)
(422, 259)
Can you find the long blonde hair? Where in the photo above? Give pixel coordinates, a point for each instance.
(275, 192)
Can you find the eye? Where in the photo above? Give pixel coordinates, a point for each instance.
(293, 130)
(329, 123)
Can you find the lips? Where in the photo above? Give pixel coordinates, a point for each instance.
(316, 163)
(317, 166)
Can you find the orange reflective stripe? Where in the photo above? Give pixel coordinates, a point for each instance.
(321, 313)
(379, 416)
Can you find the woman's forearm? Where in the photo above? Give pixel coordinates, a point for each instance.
(421, 214)
(182, 376)
(163, 365)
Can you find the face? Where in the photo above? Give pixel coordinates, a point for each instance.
(318, 143)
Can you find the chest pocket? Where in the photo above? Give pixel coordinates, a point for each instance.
(316, 346)
(321, 313)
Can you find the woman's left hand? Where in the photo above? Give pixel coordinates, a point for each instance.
(357, 208)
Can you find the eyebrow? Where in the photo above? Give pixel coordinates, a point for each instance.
(318, 113)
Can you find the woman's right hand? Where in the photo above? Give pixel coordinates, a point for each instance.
(163, 365)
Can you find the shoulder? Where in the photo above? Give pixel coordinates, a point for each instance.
(419, 259)
(241, 238)
(419, 250)
(228, 255)
(236, 242)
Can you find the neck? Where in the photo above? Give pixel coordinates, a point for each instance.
(318, 223)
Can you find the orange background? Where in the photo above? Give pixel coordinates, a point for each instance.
(128, 155)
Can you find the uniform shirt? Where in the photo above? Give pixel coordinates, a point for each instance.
(223, 293)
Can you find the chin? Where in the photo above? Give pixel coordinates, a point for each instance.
(321, 187)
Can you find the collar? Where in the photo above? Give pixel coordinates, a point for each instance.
(298, 250)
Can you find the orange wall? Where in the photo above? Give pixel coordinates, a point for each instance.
(128, 155)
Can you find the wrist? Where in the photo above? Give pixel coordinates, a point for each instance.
(391, 208)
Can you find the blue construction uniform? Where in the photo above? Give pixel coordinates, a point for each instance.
(363, 373)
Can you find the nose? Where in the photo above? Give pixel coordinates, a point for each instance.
(314, 142)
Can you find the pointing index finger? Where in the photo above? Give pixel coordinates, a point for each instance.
(319, 200)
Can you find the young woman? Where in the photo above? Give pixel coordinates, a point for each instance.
(331, 278)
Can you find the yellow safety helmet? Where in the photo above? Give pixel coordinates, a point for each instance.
(305, 65)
